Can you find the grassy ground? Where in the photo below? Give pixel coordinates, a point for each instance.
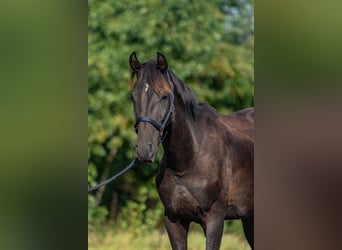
(157, 241)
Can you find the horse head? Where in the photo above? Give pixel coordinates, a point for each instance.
(152, 96)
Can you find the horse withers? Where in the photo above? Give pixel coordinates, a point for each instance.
(207, 171)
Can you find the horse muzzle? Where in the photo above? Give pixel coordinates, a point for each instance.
(146, 152)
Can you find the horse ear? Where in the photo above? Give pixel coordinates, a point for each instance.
(134, 62)
(161, 62)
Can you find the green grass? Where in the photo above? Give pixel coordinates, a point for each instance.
(157, 241)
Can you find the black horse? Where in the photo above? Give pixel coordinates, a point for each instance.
(207, 171)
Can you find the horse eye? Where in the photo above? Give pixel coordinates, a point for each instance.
(164, 97)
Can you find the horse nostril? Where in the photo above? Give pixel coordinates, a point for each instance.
(150, 153)
(145, 151)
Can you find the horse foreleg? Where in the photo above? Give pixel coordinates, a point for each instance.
(248, 228)
(178, 232)
(213, 230)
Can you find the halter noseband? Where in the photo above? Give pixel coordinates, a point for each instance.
(160, 127)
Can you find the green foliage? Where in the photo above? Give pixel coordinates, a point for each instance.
(239, 20)
(143, 212)
(96, 215)
(204, 48)
(234, 227)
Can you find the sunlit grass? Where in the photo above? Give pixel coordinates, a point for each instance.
(157, 241)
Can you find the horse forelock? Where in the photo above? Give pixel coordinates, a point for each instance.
(151, 77)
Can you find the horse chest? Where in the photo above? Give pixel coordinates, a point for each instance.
(181, 201)
(186, 198)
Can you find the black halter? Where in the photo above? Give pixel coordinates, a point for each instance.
(160, 127)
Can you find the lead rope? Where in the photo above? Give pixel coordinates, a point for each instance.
(115, 176)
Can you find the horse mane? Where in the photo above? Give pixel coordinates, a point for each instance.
(188, 98)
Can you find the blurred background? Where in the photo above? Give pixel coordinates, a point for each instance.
(210, 46)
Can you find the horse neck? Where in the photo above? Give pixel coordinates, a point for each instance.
(181, 142)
